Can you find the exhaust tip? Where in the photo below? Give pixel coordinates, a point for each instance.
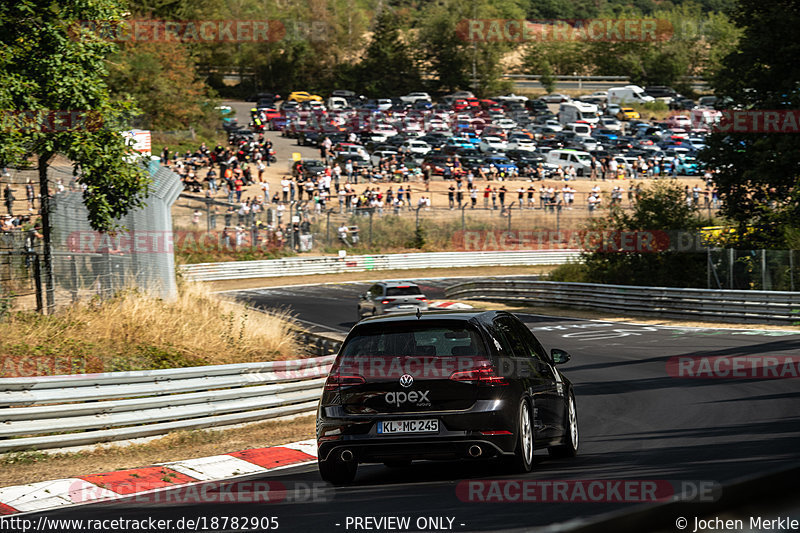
(475, 451)
(346, 456)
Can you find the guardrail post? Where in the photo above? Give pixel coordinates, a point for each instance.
(730, 268)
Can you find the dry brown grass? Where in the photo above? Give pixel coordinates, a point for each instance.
(136, 331)
(30, 467)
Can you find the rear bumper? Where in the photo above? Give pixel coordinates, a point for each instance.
(430, 449)
(458, 432)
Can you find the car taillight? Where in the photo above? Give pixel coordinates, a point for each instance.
(482, 375)
(335, 381)
(496, 432)
(423, 299)
(387, 300)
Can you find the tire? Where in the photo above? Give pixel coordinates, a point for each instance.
(337, 472)
(570, 446)
(522, 460)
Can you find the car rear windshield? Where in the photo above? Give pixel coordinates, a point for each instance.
(456, 339)
(407, 290)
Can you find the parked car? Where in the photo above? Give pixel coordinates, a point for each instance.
(303, 96)
(492, 144)
(627, 113)
(555, 98)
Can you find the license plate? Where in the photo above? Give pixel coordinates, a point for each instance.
(408, 426)
(406, 306)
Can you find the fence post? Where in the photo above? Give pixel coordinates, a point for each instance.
(509, 219)
(463, 222)
(37, 280)
(371, 212)
(764, 271)
(328, 230)
(73, 267)
(791, 270)
(208, 215)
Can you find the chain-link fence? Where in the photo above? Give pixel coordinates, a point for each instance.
(768, 270)
(85, 263)
(213, 225)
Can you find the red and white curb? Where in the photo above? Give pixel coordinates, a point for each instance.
(123, 483)
(449, 305)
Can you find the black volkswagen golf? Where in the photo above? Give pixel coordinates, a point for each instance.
(445, 385)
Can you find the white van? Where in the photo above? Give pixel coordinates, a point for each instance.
(582, 161)
(630, 94)
(581, 130)
(578, 111)
(337, 102)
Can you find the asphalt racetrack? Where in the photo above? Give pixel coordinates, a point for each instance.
(637, 422)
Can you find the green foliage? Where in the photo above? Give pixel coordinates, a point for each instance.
(759, 173)
(573, 272)
(147, 357)
(660, 207)
(48, 64)
(162, 79)
(419, 238)
(388, 66)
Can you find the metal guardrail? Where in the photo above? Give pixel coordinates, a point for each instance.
(298, 266)
(93, 408)
(725, 305)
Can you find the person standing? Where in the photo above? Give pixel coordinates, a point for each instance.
(8, 198)
(473, 196)
(486, 193)
(30, 195)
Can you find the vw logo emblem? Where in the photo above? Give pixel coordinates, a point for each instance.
(406, 380)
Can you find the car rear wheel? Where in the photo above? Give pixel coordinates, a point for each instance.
(522, 460)
(338, 472)
(570, 446)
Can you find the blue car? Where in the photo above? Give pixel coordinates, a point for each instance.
(502, 164)
(688, 166)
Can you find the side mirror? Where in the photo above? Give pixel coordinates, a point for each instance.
(559, 356)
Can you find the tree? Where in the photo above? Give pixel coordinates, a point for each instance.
(388, 66)
(161, 78)
(662, 208)
(759, 173)
(48, 64)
